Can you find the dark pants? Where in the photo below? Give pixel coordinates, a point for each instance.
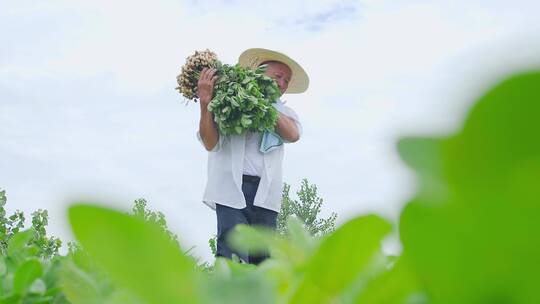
(228, 217)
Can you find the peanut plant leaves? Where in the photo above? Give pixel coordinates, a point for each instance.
(475, 237)
(237, 283)
(244, 93)
(138, 256)
(26, 274)
(18, 241)
(397, 285)
(243, 90)
(78, 286)
(340, 258)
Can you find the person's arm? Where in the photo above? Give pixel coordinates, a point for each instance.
(207, 127)
(287, 129)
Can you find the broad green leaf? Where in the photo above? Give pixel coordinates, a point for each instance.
(3, 267)
(137, 255)
(238, 283)
(19, 240)
(14, 299)
(260, 239)
(78, 286)
(248, 238)
(122, 297)
(300, 237)
(479, 240)
(26, 274)
(340, 258)
(54, 292)
(422, 154)
(284, 277)
(397, 285)
(38, 286)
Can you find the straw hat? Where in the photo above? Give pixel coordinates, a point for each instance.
(252, 58)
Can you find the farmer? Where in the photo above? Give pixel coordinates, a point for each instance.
(244, 183)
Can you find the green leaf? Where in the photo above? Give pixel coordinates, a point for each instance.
(262, 240)
(138, 256)
(3, 267)
(78, 286)
(397, 285)
(300, 236)
(14, 299)
(26, 274)
(38, 287)
(19, 240)
(122, 297)
(238, 283)
(247, 238)
(246, 121)
(340, 258)
(422, 154)
(478, 240)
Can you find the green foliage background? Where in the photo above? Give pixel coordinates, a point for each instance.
(471, 234)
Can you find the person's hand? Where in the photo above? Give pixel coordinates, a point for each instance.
(205, 86)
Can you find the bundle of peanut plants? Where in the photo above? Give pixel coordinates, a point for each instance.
(242, 98)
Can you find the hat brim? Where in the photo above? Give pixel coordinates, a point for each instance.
(252, 58)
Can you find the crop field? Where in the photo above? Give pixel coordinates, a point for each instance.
(470, 234)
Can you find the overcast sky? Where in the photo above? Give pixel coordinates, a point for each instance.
(88, 110)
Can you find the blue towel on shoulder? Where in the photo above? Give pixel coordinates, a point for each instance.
(270, 141)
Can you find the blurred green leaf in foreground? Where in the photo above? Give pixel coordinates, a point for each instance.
(472, 233)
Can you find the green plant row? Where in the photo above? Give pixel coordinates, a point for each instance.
(470, 234)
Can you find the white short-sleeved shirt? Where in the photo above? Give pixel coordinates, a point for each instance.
(226, 166)
(253, 157)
